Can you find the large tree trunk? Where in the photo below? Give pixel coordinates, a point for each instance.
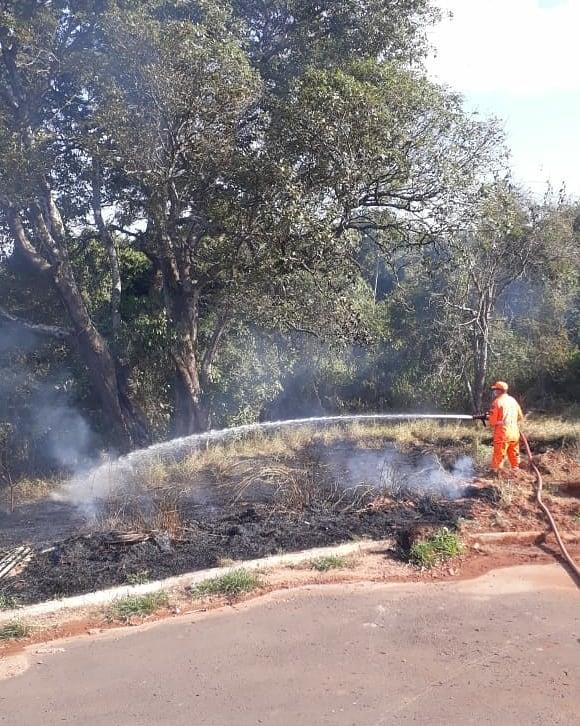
(191, 414)
(111, 388)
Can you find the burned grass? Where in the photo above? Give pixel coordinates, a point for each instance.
(83, 564)
(253, 498)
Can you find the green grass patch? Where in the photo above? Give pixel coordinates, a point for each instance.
(138, 605)
(7, 602)
(14, 631)
(441, 546)
(231, 584)
(330, 562)
(138, 578)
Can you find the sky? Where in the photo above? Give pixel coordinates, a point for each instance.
(519, 60)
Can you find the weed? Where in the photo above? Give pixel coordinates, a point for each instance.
(500, 521)
(330, 562)
(434, 549)
(231, 584)
(14, 631)
(577, 517)
(138, 578)
(7, 602)
(138, 605)
(161, 511)
(507, 493)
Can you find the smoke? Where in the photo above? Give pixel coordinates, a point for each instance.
(394, 472)
(389, 470)
(47, 432)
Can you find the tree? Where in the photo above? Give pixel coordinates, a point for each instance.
(508, 241)
(244, 175)
(237, 146)
(40, 200)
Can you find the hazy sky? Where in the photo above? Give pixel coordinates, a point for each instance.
(520, 60)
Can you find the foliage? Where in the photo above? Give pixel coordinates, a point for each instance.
(214, 212)
(231, 584)
(330, 562)
(138, 605)
(437, 548)
(14, 631)
(7, 602)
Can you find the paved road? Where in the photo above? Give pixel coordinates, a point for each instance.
(504, 649)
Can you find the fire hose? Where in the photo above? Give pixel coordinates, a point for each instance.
(575, 570)
(540, 485)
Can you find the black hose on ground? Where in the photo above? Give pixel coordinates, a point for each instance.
(540, 485)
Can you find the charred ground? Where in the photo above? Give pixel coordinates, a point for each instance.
(253, 498)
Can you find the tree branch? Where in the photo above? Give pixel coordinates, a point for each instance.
(109, 244)
(212, 348)
(24, 243)
(50, 331)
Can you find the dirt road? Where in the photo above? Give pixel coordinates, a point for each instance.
(503, 649)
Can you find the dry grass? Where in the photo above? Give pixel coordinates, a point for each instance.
(284, 468)
(552, 431)
(161, 510)
(27, 491)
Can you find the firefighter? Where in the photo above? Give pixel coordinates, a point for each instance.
(504, 418)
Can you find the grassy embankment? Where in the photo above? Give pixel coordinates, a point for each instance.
(281, 456)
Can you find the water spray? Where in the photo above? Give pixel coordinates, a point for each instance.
(99, 481)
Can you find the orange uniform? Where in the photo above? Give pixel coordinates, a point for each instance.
(504, 418)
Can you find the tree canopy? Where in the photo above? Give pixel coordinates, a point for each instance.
(195, 194)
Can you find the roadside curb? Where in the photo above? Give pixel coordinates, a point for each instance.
(108, 596)
(524, 538)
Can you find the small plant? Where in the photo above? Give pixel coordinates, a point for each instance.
(232, 584)
(14, 631)
(507, 494)
(138, 605)
(7, 602)
(330, 562)
(138, 578)
(577, 517)
(439, 547)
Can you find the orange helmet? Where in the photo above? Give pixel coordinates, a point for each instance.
(500, 386)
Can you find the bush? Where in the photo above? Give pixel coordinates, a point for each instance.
(441, 546)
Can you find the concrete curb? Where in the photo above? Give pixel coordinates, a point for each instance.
(529, 537)
(105, 597)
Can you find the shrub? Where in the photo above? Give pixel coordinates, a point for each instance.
(437, 548)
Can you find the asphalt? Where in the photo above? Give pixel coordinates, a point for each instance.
(502, 649)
